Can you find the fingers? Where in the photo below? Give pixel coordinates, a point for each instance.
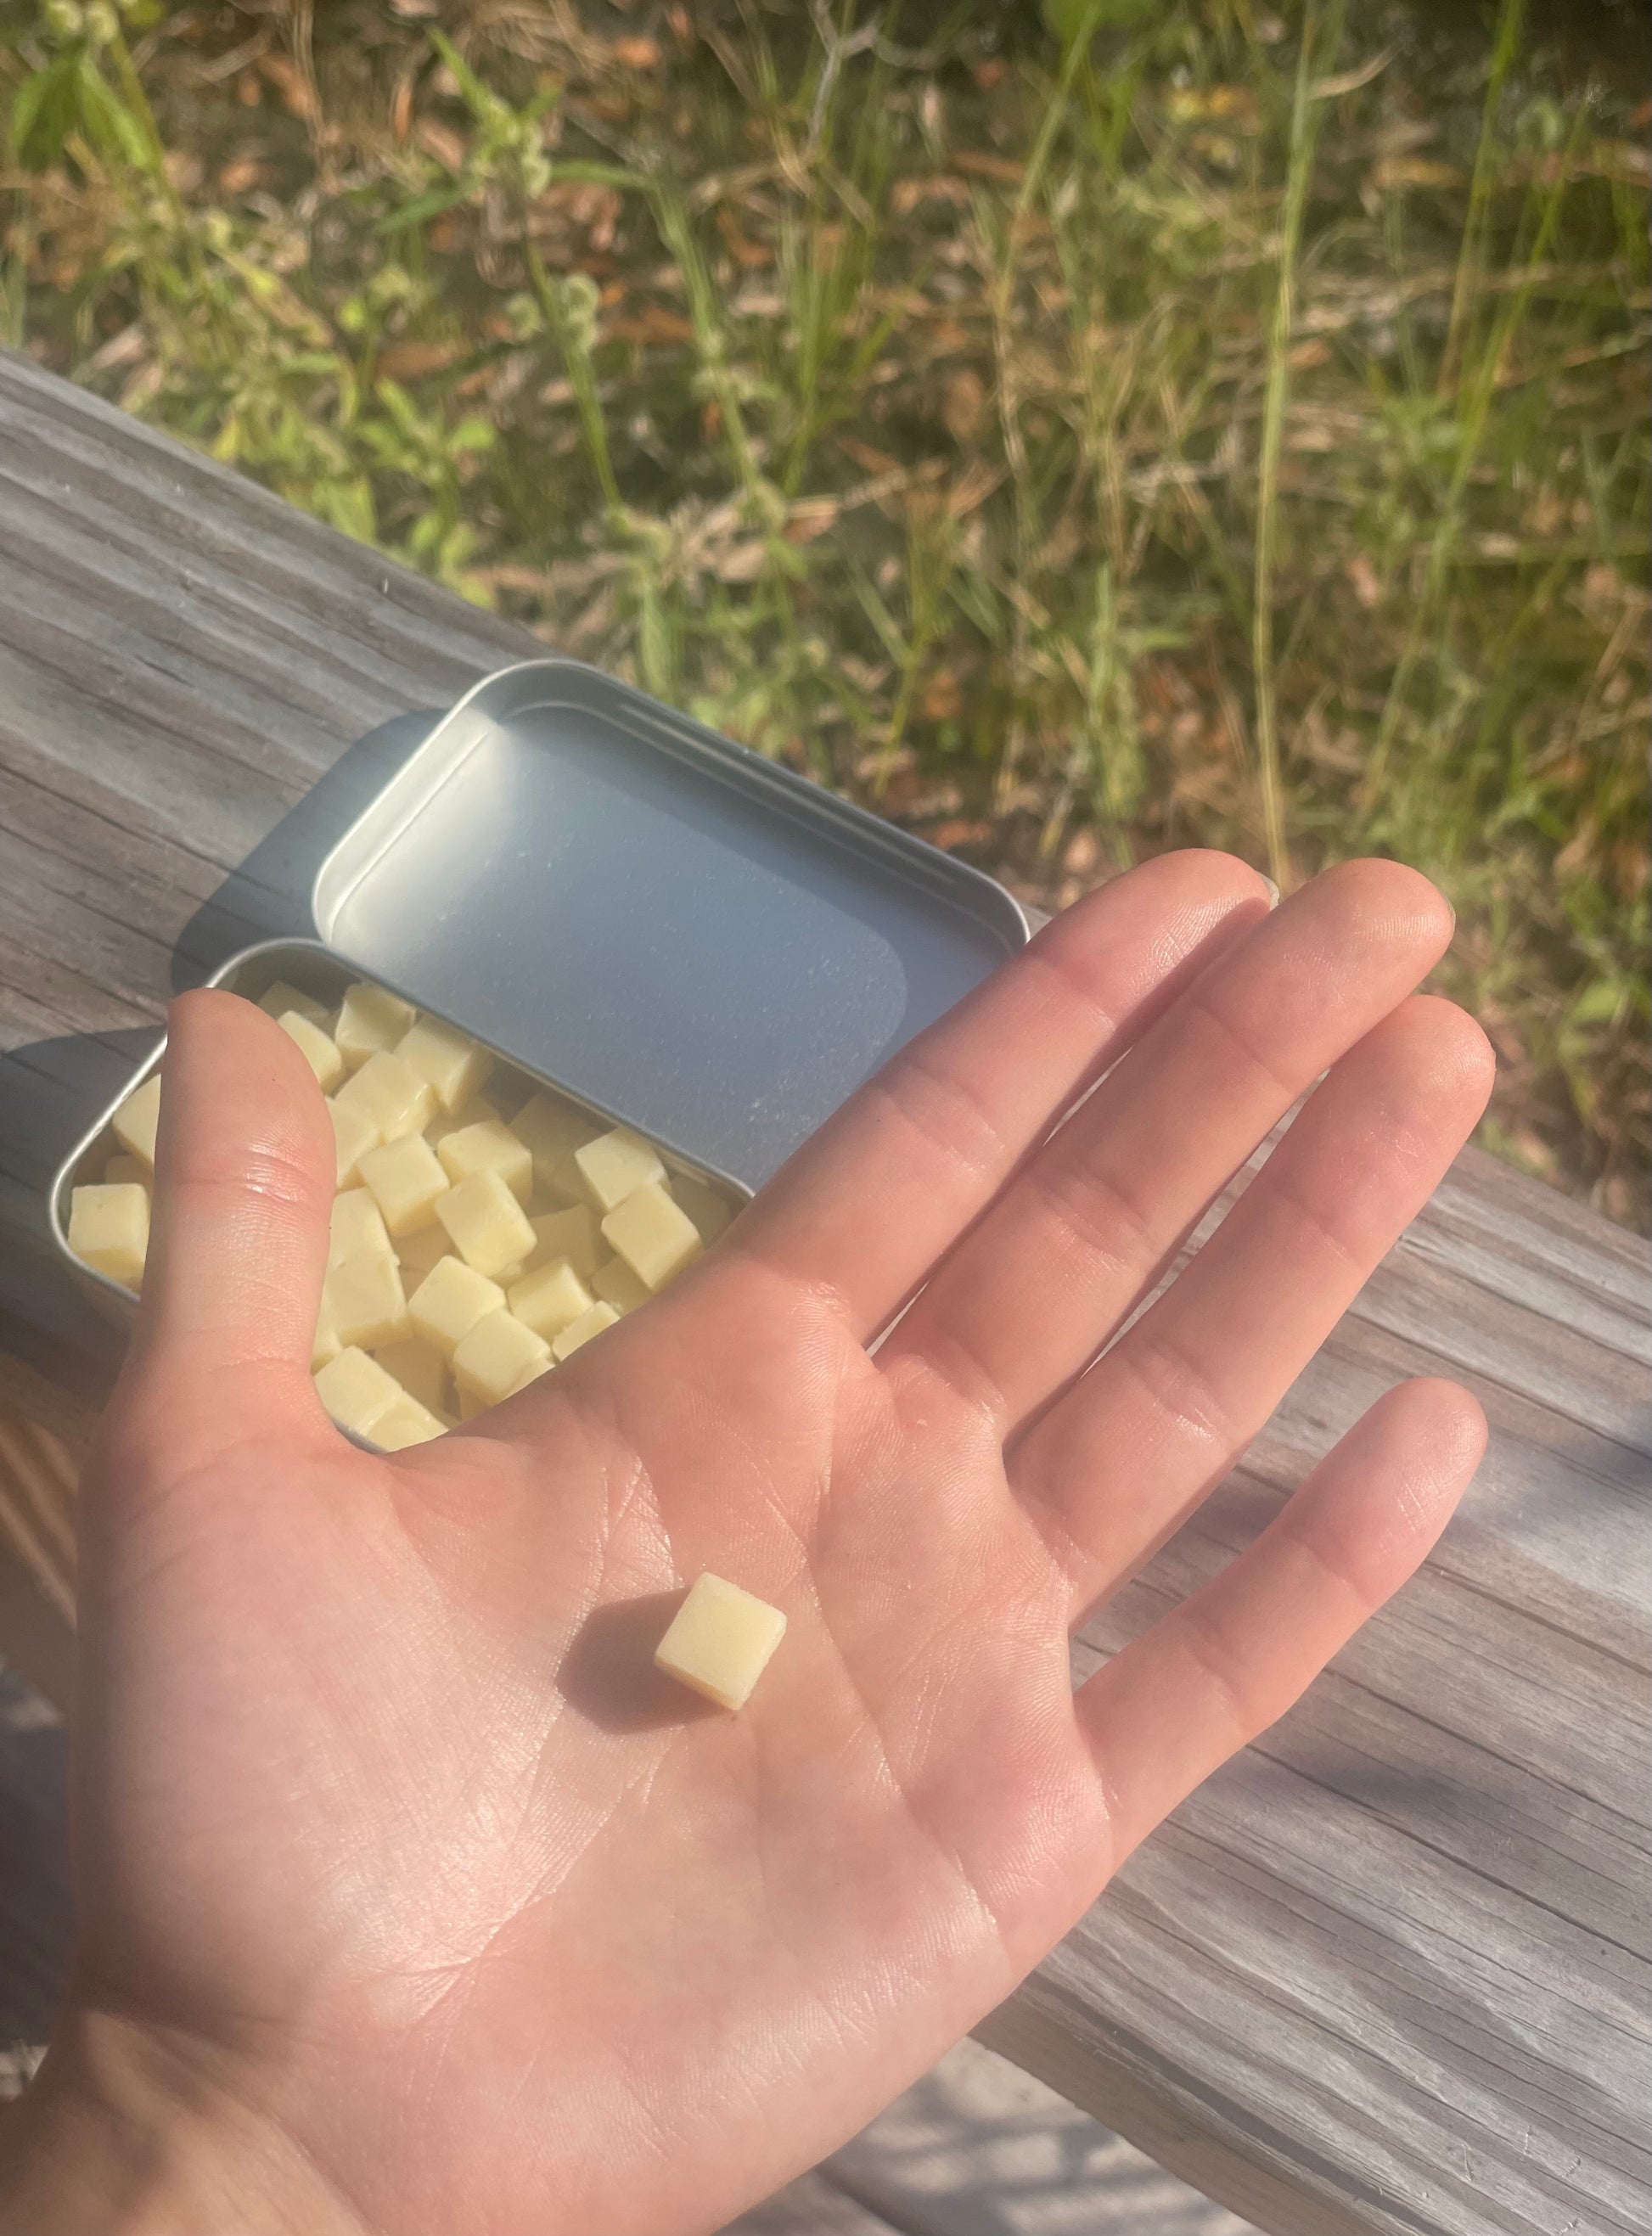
(244, 1185)
(869, 1204)
(1208, 1677)
(1032, 1292)
(1138, 1441)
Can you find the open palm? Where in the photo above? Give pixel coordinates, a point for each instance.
(396, 1856)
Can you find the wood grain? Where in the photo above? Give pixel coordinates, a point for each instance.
(1387, 1973)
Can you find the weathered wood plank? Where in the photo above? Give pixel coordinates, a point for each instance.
(1386, 1974)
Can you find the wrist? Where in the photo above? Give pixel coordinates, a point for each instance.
(126, 2131)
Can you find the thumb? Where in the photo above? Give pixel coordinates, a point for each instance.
(245, 1165)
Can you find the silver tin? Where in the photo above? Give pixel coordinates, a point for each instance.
(658, 923)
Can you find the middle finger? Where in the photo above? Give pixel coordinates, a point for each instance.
(1028, 1297)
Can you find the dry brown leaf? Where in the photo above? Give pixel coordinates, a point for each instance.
(957, 831)
(964, 404)
(292, 89)
(651, 322)
(1004, 169)
(441, 142)
(415, 360)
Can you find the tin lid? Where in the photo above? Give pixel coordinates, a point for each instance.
(677, 929)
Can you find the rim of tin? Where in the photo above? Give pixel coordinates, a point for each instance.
(613, 837)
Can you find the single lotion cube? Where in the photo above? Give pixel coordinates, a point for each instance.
(369, 1304)
(452, 1063)
(489, 1146)
(405, 1179)
(719, 1640)
(357, 1391)
(497, 1356)
(134, 1122)
(405, 1422)
(390, 1093)
(449, 1302)
(656, 1237)
(109, 1229)
(371, 1020)
(551, 1299)
(357, 1228)
(614, 1166)
(490, 1228)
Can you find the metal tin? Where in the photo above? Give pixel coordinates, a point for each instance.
(661, 924)
(666, 925)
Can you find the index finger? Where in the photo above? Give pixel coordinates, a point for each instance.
(871, 1201)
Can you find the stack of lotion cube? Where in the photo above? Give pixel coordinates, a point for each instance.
(470, 1254)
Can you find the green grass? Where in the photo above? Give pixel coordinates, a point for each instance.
(1157, 424)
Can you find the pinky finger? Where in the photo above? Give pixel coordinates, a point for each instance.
(1206, 1679)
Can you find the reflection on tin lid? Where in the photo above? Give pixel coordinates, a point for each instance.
(672, 927)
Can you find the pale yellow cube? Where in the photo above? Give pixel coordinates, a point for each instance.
(136, 1121)
(281, 997)
(552, 1130)
(616, 1285)
(371, 1021)
(570, 1234)
(109, 1229)
(656, 1237)
(369, 1304)
(357, 1391)
(403, 1423)
(354, 1132)
(391, 1093)
(488, 1147)
(490, 1228)
(470, 1406)
(317, 1051)
(449, 1302)
(357, 1228)
(419, 1367)
(532, 1375)
(547, 1300)
(121, 1170)
(327, 1345)
(615, 1165)
(451, 1060)
(719, 1640)
(492, 1359)
(405, 1180)
(425, 1247)
(710, 1212)
(582, 1330)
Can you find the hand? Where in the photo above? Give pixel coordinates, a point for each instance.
(411, 1901)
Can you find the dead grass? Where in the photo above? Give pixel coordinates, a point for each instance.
(1220, 428)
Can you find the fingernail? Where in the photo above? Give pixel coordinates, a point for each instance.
(1273, 892)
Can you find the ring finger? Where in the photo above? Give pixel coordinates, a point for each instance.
(1133, 1447)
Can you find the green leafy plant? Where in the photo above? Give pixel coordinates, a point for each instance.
(1176, 424)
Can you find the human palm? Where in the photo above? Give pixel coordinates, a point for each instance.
(391, 1842)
